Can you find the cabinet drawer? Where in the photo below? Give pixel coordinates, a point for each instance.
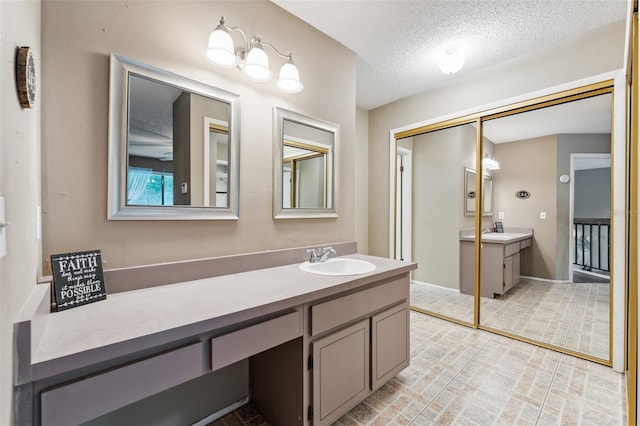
(241, 344)
(525, 243)
(511, 249)
(94, 396)
(336, 312)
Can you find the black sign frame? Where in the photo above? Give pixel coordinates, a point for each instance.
(78, 279)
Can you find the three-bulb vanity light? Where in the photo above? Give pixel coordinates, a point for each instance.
(489, 163)
(250, 58)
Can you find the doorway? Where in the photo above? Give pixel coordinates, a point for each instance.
(403, 204)
(590, 237)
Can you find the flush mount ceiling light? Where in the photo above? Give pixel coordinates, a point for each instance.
(451, 61)
(250, 57)
(489, 163)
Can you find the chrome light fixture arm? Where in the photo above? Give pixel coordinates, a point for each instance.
(250, 57)
(264, 43)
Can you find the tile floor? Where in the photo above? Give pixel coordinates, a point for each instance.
(574, 316)
(462, 376)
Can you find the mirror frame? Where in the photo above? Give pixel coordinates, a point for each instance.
(485, 178)
(117, 209)
(279, 116)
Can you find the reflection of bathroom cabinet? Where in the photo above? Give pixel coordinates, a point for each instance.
(500, 268)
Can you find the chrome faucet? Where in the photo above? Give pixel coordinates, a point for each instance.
(313, 256)
(321, 255)
(325, 253)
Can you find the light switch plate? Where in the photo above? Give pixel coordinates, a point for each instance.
(543, 215)
(3, 230)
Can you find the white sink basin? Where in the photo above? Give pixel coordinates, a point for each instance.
(338, 266)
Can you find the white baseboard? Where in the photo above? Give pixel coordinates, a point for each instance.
(439, 287)
(546, 280)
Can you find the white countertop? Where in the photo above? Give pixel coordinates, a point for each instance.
(139, 314)
(500, 237)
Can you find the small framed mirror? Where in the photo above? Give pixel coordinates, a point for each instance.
(174, 146)
(305, 166)
(470, 193)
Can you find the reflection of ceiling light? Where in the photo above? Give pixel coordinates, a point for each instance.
(489, 163)
(250, 57)
(451, 61)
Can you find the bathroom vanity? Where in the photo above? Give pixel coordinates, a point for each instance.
(316, 345)
(500, 260)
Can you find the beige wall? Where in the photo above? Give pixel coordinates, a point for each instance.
(438, 162)
(530, 165)
(565, 63)
(19, 181)
(437, 206)
(78, 37)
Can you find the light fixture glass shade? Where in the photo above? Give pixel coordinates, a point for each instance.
(221, 51)
(289, 80)
(451, 62)
(256, 66)
(490, 164)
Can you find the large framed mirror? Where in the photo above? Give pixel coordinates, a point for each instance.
(174, 146)
(470, 193)
(305, 183)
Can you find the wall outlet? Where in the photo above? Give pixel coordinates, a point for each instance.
(500, 215)
(543, 215)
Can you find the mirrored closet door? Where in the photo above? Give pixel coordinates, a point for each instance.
(554, 185)
(540, 197)
(436, 171)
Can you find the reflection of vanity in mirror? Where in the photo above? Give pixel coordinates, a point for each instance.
(470, 193)
(501, 260)
(173, 146)
(305, 181)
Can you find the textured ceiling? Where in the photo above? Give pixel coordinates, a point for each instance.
(398, 42)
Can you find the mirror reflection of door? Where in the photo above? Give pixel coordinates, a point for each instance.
(307, 166)
(216, 164)
(304, 176)
(556, 285)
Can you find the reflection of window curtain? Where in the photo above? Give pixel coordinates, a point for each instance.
(137, 180)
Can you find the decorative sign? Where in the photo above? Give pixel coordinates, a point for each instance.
(26, 77)
(77, 279)
(522, 195)
(471, 194)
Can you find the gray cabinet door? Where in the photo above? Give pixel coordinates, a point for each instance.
(389, 344)
(508, 274)
(340, 372)
(516, 268)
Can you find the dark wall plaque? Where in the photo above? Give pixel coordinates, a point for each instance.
(77, 279)
(522, 195)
